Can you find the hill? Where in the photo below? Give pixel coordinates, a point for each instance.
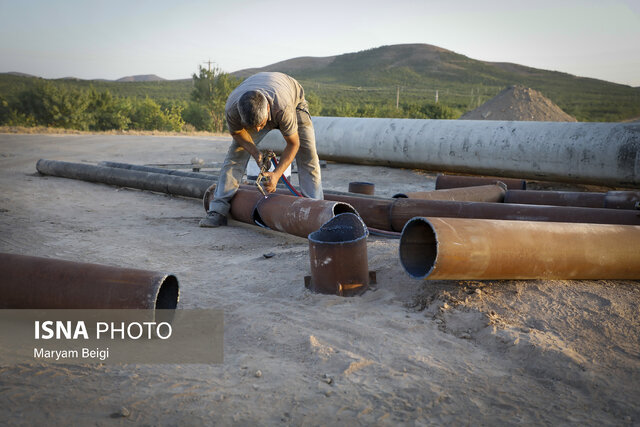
(371, 82)
(419, 70)
(141, 78)
(521, 104)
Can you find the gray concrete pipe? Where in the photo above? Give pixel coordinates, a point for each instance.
(479, 249)
(594, 153)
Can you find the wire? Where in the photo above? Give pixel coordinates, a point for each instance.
(286, 182)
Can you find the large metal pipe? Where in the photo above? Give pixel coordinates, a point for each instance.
(596, 153)
(28, 282)
(393, 214)
(338, 256)
(296, 215)
(161, 183)
(482, 193)
(153, 169)
(405, 209)
(610, 199)
(444, 182)
(465, 249)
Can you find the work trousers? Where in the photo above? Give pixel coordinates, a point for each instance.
(235, 164)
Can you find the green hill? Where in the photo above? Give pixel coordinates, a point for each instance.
(370, 82)
(463, 83)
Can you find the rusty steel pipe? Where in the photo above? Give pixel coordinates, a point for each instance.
(359, 187)
(405, 209)
(478, 249)
(444, 182)
(393, 214)
(157, 182)
(153, 169)
(44, 283)
(622, 199)
(296, 215)
(610, 199)
(556, 198)
(482, 193)
(338, 256)
(376, 213)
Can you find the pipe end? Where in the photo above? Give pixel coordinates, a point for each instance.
(418, 248)
(168, 293)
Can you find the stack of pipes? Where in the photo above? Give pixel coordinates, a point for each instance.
(479, 223)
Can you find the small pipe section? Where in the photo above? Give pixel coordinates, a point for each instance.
(338, 256)
(444, 182)
(44, 283)
(367, 188)
(494, 193)
(476, 249)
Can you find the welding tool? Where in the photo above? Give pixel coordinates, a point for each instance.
(265, 165)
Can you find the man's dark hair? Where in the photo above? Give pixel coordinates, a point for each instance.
(252, 107)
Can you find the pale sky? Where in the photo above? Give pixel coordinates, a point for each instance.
(117, 38)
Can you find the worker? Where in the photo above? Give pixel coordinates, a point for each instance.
(261, 103)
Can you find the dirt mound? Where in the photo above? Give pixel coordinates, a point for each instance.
(519, 103)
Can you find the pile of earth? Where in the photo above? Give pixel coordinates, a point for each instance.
(519, 103)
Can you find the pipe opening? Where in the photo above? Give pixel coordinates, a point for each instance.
(346, 227)
(418, 248)
(168, 293)
(257, 219)
(400, 196)
(340, 208)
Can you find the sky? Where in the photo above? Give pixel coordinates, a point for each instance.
(112, 39)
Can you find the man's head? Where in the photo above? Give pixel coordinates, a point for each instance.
(254, 109)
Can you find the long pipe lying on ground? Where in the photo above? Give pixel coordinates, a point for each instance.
(610, 199)
(460, 249)
(393, 214)
(161, 183)
(482, 193)
(383, 214)
(444, 182)
(279, 212)
(591, 153)
(43, 283)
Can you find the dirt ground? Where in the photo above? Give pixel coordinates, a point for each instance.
(408, 352)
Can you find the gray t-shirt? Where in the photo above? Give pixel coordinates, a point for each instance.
(283, 94)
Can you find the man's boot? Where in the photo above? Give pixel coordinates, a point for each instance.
(213, 219)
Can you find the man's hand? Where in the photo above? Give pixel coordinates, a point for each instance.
(271, 181)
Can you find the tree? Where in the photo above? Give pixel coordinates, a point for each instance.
(211, 88)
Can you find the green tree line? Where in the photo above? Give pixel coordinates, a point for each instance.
(63, 105)
(48, 104)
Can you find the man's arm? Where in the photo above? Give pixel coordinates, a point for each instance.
(244, 140)
(289, 153)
